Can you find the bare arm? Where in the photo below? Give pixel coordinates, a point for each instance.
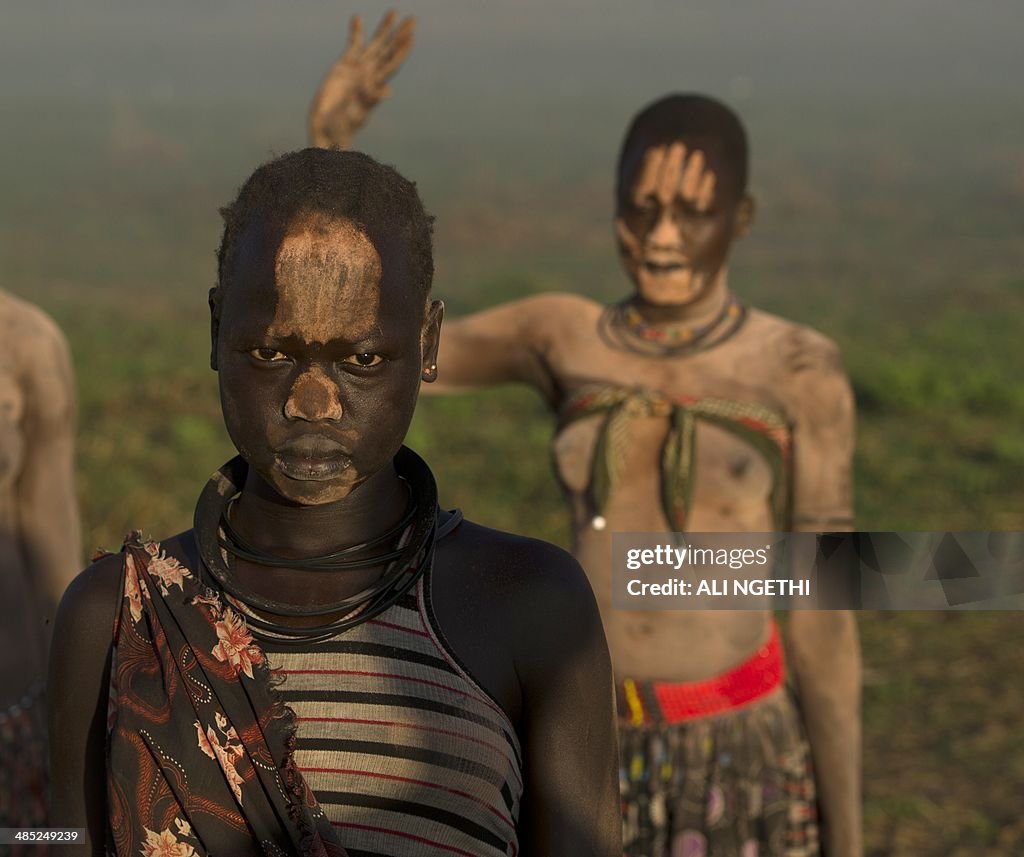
(357, 81)
(78, 683)
(825, 654)
(570, 760)
(511, 343)
(49, 533)
(823, 645)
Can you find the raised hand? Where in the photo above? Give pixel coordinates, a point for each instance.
(358, 80)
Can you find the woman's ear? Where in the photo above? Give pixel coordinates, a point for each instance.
(214, 325)
(431, 339)
(745, 212)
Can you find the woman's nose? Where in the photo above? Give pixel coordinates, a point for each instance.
(314, 397)
(666, 231)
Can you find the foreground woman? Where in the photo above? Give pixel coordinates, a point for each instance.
(326, 661)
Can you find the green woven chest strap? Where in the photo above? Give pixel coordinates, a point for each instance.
(758, 425)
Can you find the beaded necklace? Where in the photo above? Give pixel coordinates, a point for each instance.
(622, 326)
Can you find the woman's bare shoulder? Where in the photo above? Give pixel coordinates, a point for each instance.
(28, 321)
(522, 572)
(90, 602)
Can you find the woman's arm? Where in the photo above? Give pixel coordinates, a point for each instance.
(77, 690)
(823, 645)
(357, 81)
(569, 737)
(514, 342)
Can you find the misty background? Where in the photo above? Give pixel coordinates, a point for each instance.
(887, 146)
(897, 94)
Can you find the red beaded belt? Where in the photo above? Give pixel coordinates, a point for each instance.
(648, 702)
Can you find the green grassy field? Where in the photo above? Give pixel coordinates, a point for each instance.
(904, 246)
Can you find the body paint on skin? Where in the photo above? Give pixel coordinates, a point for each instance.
(320, 268)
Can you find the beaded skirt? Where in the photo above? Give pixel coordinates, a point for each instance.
(717, 769)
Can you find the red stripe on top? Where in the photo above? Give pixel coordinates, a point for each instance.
(514, 769)
(397, 627)
(370, 674)
(396, 778)
(411, 836)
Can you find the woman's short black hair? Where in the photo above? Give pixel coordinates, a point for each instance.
(343, 184)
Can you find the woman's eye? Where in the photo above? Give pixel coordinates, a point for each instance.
(267, 355)
(365, 360)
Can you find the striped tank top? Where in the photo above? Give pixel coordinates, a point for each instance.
(407, 755)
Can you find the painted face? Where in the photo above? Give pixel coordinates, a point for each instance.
(320, 348)
(676, 223)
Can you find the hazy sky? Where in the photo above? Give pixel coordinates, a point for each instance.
(559, 48)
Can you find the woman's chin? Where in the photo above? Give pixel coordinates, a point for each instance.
(667, 291)
(314, 492)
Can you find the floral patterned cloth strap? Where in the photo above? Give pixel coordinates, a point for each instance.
(765, 429)
(199, 749)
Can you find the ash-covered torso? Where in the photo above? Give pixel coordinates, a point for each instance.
(733, 483)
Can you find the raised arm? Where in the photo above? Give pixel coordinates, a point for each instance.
(358, 80)
(48, 527)
(77, 688)
(570, 765)
(823, 645)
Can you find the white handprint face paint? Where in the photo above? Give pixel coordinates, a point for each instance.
(676, 222)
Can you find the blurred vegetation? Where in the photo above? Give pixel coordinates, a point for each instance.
(877, 225)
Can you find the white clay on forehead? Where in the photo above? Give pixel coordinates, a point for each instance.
(672, 170)
(706, 194)
(322, 267)
(693, 174)
(646, 181)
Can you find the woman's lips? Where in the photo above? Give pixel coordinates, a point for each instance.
(311, 469)
(663, 267)
(312, 458)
